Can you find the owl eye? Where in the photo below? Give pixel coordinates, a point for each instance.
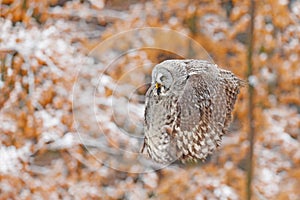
(163, 78)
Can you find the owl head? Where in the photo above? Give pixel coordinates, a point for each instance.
(169, 76)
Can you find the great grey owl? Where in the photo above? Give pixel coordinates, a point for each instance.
(188, 109)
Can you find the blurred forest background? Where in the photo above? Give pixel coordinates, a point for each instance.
(43, 44)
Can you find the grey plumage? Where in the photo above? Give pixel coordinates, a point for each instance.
(188, 109)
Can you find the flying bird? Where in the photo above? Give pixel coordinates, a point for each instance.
(188, 109)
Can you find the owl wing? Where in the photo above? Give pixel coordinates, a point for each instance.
(195, 135)
(231, 87)
(195, 103)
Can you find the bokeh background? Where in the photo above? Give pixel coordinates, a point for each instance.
(48, 46)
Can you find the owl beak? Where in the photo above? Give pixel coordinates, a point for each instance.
(157, 85)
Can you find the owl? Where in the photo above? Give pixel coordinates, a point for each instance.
(188, 109)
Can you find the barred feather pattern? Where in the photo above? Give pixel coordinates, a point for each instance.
(188, 109)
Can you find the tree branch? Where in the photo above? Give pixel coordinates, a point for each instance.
(250, 103)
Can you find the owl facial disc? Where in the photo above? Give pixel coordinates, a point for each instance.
(162, 79)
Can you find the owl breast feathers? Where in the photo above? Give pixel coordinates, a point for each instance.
(188, 109)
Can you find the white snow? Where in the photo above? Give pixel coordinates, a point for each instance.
(11, 158)
(253, 80)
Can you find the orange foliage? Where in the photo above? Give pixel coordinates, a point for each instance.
(38, 131)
